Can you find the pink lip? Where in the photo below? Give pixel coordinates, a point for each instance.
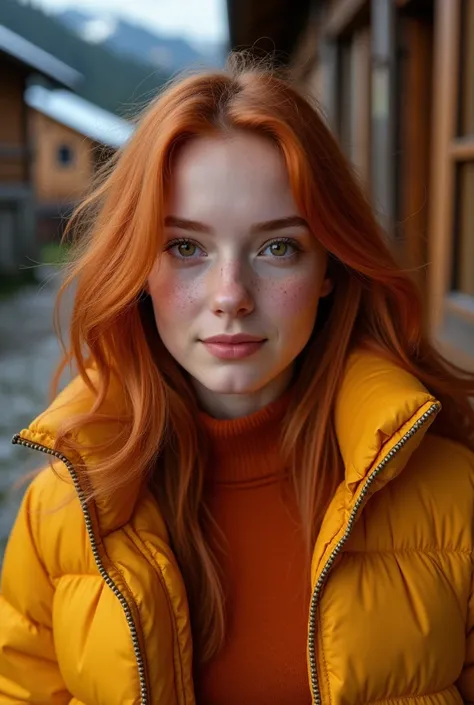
(233, 347)
(234, 339)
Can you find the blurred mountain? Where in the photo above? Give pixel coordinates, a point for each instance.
(127, 39)
(117, 82)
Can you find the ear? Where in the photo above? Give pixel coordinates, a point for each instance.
(326, 288)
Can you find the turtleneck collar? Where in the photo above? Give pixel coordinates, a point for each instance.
(245, 450)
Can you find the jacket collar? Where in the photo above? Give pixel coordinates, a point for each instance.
(377, 404)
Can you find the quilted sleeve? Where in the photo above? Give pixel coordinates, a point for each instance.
(29, 671)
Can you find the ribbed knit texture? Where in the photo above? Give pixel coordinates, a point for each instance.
(264, 566)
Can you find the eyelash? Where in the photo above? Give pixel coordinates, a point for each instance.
(180, 241)
(186, 241)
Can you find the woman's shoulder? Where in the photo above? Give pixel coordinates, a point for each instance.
(437, 455)
(51, 518)
(438, 484)
(428, 508)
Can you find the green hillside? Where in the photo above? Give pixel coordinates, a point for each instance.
(115, 83)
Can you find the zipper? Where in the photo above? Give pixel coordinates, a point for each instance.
(315, 597)
(18, 440)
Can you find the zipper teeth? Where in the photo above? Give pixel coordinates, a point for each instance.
(316, 693)
(18, 440)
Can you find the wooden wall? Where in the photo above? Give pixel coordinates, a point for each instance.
(55, 182)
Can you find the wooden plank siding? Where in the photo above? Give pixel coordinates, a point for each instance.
(55, 182)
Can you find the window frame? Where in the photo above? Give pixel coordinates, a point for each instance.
(451, 314)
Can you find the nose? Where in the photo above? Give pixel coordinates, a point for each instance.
(231, 294)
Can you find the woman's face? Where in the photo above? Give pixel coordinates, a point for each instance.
(236, 289)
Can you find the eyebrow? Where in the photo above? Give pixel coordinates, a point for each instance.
(290, 221)
(184, 224)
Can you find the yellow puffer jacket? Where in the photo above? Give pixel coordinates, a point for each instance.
(93, 608)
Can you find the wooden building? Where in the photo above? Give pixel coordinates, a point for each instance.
(395, 80)
(20, 61)
(71, 136)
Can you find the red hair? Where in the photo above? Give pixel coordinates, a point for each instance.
(374, 304)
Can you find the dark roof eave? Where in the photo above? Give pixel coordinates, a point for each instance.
(268, 25)
(36, 59)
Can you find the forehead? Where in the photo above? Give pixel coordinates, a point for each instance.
(241, 176)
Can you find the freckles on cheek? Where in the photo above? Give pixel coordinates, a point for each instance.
(290, 297)
(173, 295)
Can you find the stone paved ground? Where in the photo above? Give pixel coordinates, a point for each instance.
(28, 354)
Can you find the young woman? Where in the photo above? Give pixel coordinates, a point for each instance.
(262, 477)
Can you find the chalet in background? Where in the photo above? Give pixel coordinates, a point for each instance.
(72, 137)
(20, 63)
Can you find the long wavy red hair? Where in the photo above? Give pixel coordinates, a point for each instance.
(374, 304)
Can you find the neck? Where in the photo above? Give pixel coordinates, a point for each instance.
(246, 449)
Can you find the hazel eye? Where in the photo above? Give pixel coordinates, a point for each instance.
(279, 249)
(282, 248)
(186, 249)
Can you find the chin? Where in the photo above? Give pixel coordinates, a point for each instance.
(233, 388)
(232, 383)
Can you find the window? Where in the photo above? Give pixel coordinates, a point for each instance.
(65, 155)
(452, 212)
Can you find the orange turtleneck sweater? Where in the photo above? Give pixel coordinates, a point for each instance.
(265, 573)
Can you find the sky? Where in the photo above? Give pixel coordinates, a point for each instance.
(196, 20)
